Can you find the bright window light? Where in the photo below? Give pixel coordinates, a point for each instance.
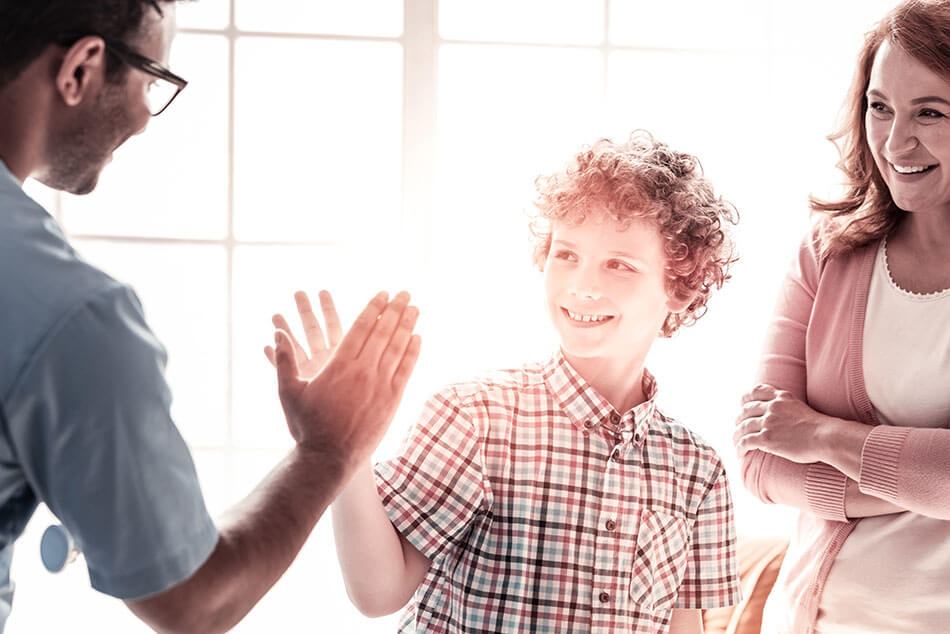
(539, 21)
(381, 18)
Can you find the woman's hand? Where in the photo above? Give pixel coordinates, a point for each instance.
(321, 346)
(777, 422)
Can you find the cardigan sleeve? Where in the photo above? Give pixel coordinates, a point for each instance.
(909, 467)
(817, 488)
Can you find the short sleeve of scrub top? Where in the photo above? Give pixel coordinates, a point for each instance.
(90, 424)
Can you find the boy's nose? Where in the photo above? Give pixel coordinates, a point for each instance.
(586, 293)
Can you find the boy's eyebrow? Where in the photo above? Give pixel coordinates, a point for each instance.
(641, 262)
(570, 245)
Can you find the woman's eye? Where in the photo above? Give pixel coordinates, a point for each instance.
(878, 109)
(930, 113)
(564, 255)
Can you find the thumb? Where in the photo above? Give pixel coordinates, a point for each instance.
(287, 381)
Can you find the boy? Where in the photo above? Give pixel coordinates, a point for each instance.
(556, 498)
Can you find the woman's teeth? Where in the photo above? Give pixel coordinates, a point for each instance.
(911, 169)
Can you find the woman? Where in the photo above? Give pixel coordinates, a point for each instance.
(850, 421)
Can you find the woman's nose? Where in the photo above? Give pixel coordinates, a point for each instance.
(900, 139)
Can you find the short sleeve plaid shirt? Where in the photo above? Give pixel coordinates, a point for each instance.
(544, 510)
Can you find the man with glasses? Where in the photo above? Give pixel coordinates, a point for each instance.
(84, 407)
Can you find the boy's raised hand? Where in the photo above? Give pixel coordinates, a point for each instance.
(321, 346)
(343, 409)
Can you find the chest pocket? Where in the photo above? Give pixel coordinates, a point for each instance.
(660, 560)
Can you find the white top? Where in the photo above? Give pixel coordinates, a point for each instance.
(893, 571)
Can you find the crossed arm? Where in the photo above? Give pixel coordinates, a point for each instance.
(832, 467)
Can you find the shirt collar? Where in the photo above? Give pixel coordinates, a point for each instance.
(6, 173)
(588, 410)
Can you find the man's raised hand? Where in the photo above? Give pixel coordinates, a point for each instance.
(343, 409)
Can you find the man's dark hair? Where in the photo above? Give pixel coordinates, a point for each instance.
(27, 27)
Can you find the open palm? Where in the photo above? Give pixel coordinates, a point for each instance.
(321, 345)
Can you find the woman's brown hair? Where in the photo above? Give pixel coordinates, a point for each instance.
(867, 211)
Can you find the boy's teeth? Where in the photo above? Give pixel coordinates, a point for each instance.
(580, 317)
(910, 169)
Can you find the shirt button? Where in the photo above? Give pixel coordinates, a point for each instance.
(615, 418)
(604, 597)
(588, 424)
(610, 525)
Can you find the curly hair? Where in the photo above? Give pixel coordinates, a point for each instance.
(643, 178)
(867, 212)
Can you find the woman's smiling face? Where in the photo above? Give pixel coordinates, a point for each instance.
(908, 130)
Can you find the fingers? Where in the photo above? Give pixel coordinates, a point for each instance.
(331, 318)
(393, 353)
(760, 393)
(287, 381)
(353, 341)
(311, 326)
(406, 365)
(383, 329)
(748, 426)
(748, 443)
(269, 352)
(751, 409)
(281, 324)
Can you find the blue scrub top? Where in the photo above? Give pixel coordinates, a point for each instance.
(84, 416)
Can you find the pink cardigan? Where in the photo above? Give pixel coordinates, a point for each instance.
(813, 349)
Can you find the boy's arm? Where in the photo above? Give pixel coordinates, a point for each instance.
(381, 569)
(686, 622)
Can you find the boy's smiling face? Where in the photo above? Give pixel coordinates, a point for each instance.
(605, 289)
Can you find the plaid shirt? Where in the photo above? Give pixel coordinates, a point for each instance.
(544, 510)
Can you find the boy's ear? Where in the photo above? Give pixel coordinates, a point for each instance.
(676, 305)
(82, 70)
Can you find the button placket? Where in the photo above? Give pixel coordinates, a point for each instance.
(613, 552)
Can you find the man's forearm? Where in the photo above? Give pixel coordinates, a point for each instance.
(380, 569)
(259, 538)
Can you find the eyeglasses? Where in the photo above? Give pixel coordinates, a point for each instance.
(165, 86)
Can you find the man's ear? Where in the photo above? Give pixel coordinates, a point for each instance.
(82, 70)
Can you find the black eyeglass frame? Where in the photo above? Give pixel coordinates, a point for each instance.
(139, 62)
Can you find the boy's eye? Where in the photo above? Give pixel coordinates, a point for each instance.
(562, 254)
(619, 265)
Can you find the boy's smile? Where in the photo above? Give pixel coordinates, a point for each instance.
(605, 289)
(586, 320)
